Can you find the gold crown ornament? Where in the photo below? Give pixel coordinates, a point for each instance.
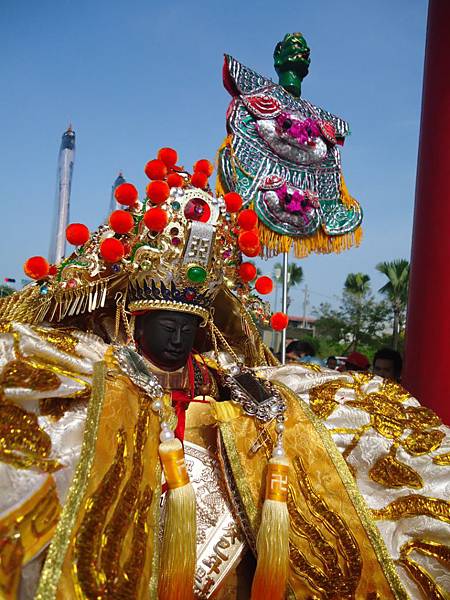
(173, 250)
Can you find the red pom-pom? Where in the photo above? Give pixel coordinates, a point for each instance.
(199, 180)
(158, 191)
(247, 219)
(112, 250)
(247, 271)
(279, 321)
(204, 166)
(169, 157)
(252, 252)
(156, 169)
(175, 180)
(233, 202)
(156, 219)
(36, 267)
(53, 269)
(264, 285)
(126, 194)
(121, 221)
(77, 234)
(248, 239)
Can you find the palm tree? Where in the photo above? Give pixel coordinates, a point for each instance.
(295, 277)
(396, 290)
(6, 290)
(357, 285)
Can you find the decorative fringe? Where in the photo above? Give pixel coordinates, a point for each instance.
(347, 200)
(276, 243)
(272, 543)
(179, 550)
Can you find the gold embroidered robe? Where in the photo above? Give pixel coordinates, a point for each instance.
(378, 527)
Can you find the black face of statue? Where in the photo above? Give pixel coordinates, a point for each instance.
(166, 337)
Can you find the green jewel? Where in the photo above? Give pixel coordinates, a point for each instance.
(196, 274)
(176, 205)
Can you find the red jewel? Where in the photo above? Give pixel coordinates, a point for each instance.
(189, 296)
(72, 283)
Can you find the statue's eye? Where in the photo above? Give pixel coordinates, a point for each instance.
(286, 124)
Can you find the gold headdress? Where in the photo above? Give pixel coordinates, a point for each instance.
(171, 251)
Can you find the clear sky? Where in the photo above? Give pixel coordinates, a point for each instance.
(134, 76)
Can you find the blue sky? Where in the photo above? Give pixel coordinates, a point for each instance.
(134, 76)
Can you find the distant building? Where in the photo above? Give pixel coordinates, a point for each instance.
(113, 204)
(298, 328)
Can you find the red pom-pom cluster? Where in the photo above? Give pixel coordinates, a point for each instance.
(247, 271)
(156, 169)
(156, 219)
(264, 285)
(158, 191)
(112, 250)
(126, 194)
(233, 202)
(121, 221)
(36, 267)
(77, 234)
(279, 321)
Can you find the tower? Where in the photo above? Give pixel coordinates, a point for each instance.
(63, 186)
(113, 204)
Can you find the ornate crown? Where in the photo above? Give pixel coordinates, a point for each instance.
(172, 250)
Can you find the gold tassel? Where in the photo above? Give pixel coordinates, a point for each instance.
(179, 550)
(272, 543)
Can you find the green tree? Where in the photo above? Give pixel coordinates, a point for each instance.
(356, 296)
(295, 277)
(396, 291)
(6, 290)
(359, 321)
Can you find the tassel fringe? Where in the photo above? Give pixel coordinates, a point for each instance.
(272, 543)
(178, 551)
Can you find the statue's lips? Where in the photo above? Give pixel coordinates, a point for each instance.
(173, 353)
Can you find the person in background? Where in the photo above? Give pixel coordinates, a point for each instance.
(301, 351)
(332, 363)
(388, 363)
(357, 362)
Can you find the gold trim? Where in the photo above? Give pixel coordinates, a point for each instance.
(136, 305)
(355, 496)
(51, 571)
(238, 472)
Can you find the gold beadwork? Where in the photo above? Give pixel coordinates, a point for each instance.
(391, 473)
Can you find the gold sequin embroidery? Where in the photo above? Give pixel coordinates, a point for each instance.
(322, 398)
(61, 338)
(23, 443)
(18, 373)
(414, 506)
(419, 574)
(422, 442)
(442, 459)
(391, 473)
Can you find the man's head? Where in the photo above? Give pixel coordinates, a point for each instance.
(388, 363)
(166, 337)
(332, 362)
(298, 349)
(357, 362)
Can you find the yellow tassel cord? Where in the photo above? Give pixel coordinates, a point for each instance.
(272, 543)
(347, 200)
(178, 551)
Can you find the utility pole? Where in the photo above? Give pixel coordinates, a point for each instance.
(305, 304)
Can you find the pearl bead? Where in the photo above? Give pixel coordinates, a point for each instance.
(166, 435)
(278, 451)
(279, 427)
(157, 405)
(164, 425)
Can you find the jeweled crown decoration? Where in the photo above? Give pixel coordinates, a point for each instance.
(171, 250)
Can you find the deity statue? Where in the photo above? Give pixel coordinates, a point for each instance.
(152, 447)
